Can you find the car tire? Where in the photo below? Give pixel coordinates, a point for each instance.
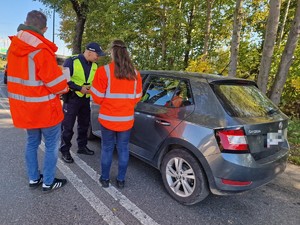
(187, 189)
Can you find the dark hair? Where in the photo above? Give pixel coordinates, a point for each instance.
(123, 66)
(36, 19)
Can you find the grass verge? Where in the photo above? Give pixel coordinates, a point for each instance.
(294, 140)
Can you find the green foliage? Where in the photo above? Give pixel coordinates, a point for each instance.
(200, 65)
(169, 34)
(290, 99)
(294, 140)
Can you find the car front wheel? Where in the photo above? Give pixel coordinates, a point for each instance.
(183, 177)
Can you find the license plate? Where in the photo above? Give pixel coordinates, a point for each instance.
(274, 138)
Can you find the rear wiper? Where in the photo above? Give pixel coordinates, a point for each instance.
(272, 111)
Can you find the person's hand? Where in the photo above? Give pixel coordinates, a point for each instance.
(84, 90)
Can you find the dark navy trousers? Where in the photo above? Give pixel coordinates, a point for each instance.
(75, 108)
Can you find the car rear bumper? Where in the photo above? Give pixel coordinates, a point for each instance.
(231, 168)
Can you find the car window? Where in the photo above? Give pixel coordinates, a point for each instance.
(245, 100)
(167, 91)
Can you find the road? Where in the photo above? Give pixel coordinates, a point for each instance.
(143, 200)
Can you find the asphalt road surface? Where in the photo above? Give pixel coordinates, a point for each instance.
(143, 200)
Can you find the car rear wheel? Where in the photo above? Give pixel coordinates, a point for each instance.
(183, 177)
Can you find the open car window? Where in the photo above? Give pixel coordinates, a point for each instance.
(167, 91)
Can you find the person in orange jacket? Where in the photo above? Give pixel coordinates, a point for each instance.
(34, 83)
(117, 87)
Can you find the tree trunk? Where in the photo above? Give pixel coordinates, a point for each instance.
(164, 37)
(286, 58)
(81, 10)
(269, 43)
(207, 28)
(283, 23)
(235, 42)
(79, 28)
(189, 36)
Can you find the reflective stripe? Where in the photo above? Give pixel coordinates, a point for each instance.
(107, 71)
(32, 83)
(29, 38)
(35, 83)
(56, 81)
(118, 95)
(98, 93)
(31, 65)
(31, 99)
(116, 118)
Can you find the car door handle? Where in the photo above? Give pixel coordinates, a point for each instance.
(162, 122)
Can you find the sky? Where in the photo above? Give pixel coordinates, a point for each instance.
(14, 12)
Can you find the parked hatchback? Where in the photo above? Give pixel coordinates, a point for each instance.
(206, 134)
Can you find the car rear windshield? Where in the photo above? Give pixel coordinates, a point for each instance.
(244, 100)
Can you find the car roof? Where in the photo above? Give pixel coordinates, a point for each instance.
(211, 78)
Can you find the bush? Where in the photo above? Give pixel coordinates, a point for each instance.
(294, 140)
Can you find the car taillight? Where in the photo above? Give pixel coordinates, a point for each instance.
(233, 141)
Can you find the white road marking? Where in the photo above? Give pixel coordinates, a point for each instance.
(90, 197)
(118, 196)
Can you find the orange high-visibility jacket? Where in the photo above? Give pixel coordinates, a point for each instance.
(34, 81)
(116, 97)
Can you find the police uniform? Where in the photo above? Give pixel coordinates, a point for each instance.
(77, 105)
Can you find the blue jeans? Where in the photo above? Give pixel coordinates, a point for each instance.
(51, 137)
(108, 140)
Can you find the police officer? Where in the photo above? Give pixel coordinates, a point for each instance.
(77, 101)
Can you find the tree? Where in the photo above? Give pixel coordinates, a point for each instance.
(234, 48)
(81, 9)
(286, 58)
(207, 27)
(283, 22)
(269, 43)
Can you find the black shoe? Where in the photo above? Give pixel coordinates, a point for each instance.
(57, 183)
(85, 151)
(120, 184)
(67, 157)
(35, 183)
(104, 183)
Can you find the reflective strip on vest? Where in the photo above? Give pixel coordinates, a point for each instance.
(121, 96)
(98, 93)
(31, 82)
(116, 118)
(56, 81)
(31, 99)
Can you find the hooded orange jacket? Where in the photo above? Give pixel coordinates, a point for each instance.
(116, 97)
(34, 81)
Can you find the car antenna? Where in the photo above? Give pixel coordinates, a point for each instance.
(221, 74)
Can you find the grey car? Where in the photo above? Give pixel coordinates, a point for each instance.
(206, 134)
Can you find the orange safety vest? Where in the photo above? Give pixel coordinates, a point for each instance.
(116, 97)
(34, 81)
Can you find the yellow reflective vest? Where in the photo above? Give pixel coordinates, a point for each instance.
(78, 76)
